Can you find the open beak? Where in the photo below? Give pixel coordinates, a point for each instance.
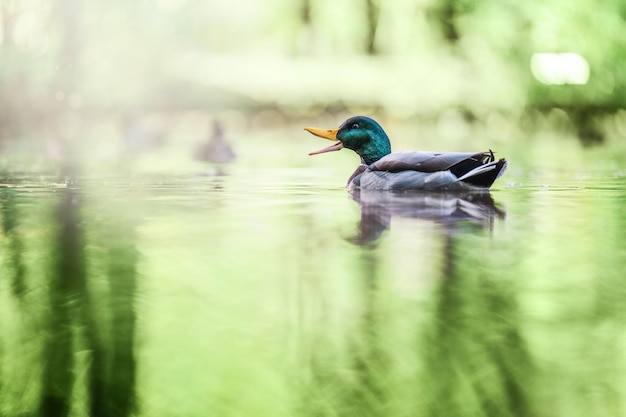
(330, 134)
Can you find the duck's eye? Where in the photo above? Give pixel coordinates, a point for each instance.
(355, 126)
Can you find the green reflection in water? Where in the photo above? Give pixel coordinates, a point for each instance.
(194, 298)
(15, 244)
(475, 354)
(68, 310)
(72, 352)
(448, 355)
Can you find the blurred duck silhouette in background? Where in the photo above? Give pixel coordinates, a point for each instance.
(217, 151)
(451, 211)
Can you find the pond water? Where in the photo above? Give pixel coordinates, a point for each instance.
(273, 291)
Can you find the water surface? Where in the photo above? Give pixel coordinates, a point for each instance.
(276, 292)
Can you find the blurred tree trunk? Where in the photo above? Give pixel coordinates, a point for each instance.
(8, 120)
(444, 14)
(373, 11)
(305, 12)
(304, 41)
(68, 297)
(8, 23)
(448, 21)
(62, 116)
(68, 15)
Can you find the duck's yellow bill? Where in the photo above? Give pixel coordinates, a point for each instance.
(330, 134)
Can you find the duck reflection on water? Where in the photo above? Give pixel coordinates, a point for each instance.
(450, 210)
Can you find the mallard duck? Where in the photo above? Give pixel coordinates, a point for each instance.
(380, 169)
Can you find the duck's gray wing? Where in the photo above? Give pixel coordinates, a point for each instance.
(432, 170)
(457, 162)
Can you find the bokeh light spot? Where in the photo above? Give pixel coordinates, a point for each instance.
(560, 68)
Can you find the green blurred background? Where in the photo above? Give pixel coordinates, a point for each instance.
(88, 73)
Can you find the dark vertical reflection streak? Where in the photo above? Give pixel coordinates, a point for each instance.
(508, 353)
(370, 362)
(99, 324)
(112, 374)
(357, 386)
(475, 353)
(66, 294)
(16, 246)
(122, 278)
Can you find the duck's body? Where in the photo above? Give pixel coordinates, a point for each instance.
(428, 171)
(381, 169)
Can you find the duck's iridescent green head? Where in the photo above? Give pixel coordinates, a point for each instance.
(361, 134)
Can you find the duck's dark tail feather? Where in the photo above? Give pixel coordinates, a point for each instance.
(485, 175)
